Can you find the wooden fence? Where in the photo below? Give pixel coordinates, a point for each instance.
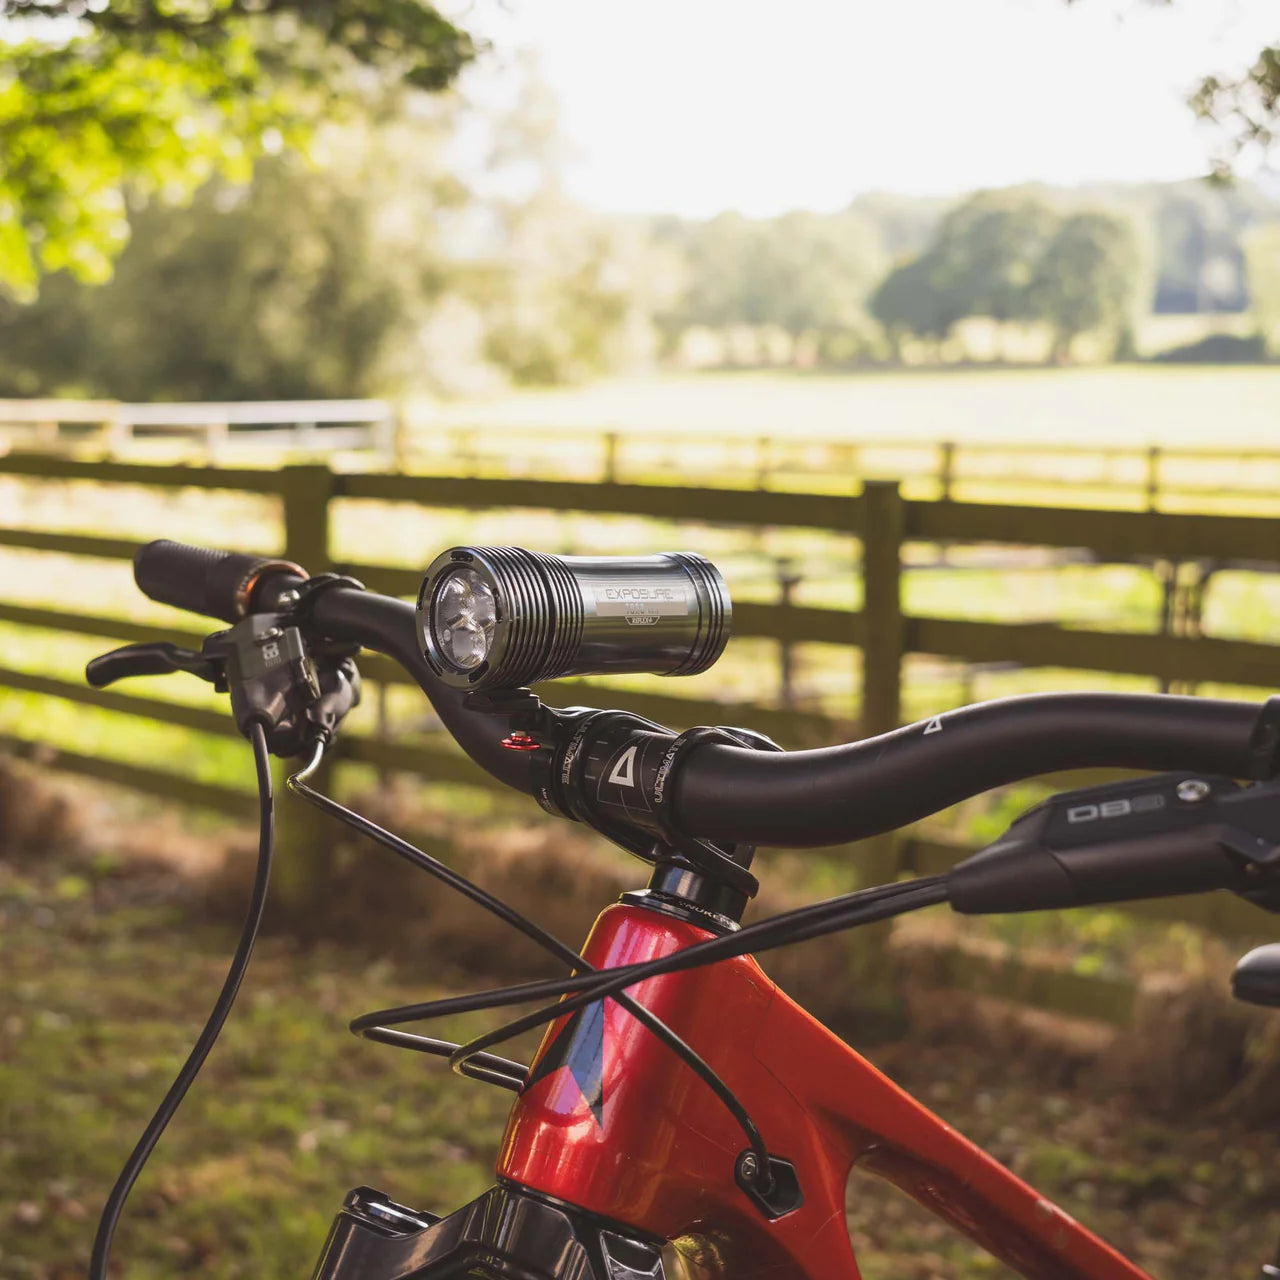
(1150, 477)
(879, 517)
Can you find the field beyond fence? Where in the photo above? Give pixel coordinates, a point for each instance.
(889, 536)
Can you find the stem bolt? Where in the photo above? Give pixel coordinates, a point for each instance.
(1193, 790)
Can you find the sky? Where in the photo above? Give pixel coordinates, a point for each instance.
(696, 106)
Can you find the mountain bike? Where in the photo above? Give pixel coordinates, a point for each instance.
(683, 1116)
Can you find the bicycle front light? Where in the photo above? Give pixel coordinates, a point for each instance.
(503, 617)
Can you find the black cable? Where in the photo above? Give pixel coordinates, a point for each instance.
(489, 1067)
(865, 906)
(887, 904)
(222, 1007)
(818, 914)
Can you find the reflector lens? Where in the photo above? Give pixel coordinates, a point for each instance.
(463, 616)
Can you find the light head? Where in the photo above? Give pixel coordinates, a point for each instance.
(504, 617)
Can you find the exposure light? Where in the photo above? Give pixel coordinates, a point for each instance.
(504, 617)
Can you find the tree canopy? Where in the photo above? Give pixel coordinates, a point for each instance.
(104, 102)
(1246, 106)
(1013, 256)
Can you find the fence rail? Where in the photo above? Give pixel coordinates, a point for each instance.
(298, 424)
(1150, 477)
(879, 517)
(1143, 476)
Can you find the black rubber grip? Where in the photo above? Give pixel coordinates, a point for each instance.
(198, 579)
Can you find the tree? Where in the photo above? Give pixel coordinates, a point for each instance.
(1012, 256)
(1087, 279)
(986, 250)
(1262, 264)
(105, 104)
(291, 286)
(805, 274)
(910, 301)
(366, 270)
(980, 262)
(1244, 104)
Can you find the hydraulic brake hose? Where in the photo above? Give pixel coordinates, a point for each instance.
(222, 1007)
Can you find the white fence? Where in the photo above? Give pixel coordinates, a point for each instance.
(306, 425)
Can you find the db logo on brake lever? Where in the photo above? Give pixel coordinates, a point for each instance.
(273, 680)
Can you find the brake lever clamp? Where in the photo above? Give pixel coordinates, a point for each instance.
(298, 603)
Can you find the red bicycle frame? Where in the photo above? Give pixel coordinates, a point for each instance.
(624, 1129)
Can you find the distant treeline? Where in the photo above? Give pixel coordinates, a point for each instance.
(374, 269)
(896, 277)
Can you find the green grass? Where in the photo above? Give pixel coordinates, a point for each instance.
(99, 1008)
(1106, 406)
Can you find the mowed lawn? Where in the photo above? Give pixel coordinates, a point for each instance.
(1175, 406)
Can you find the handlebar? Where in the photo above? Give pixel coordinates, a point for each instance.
(734, 794)
(849, 792)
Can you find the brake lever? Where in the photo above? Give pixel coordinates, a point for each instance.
(152, 659)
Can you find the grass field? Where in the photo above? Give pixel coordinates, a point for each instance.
(1105, 406)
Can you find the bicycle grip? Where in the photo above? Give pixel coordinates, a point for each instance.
(202, 580)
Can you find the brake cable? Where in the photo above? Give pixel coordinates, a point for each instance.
(489, 1067)
(589, 985)
(222, 1007)
(865, 906)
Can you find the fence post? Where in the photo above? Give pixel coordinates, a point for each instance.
(883, 631)
(610, 457)
(946, 469)
(883, 643)
(788, 579)
(1153, 478)
(304, 839)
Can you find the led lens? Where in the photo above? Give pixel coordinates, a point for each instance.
(463, 616)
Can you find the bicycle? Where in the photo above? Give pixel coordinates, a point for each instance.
(678, 1096)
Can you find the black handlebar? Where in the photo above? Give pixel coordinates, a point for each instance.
(731, 794)
(849, 792)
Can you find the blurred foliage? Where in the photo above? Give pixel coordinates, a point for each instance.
(1087, 278)
(1246, 106)
(302, 227)
(362, 269)
(1011, 256)
(805, 274)
(1262, 255)
(106, 103)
